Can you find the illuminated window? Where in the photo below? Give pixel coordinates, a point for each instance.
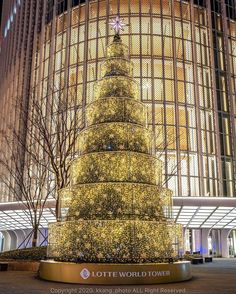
(166, 7)
(167, 27)
(170, 115)
(72, 76)
(182, 116)
(146, 67)
(184, 184)
(91, 72)
(136, 66)
(80, 74)
(190, 93)
(181, 92)
(135, 45)
(59, 42)
(183, 138)
(47, 47)
(168, 72)
(160, 137)
(172, 184)
(159, 114)
(60, 60)
(169, 90)
(157, 26)
(179, 49)
(146, 45)
(92, 49)
(81, 52)
(90, 92)
(157, 45)
(82, 13)
(75, 16)
(171, 137)
(158, 89)
(81, 33)
(46, 67)
(167, 45)
(158, 73)
(147, 89)
(145, 25)
(156, 7)
(92, 10)
(74, 35)
(92, 30)
(134, 8)
(73, 54)
(101, 47)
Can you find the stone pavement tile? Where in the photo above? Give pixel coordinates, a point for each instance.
(212, 278)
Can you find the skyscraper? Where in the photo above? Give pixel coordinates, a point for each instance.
(184, 55)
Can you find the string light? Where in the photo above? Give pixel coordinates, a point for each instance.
(117, 210)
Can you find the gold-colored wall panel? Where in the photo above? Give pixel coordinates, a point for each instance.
(117, 274)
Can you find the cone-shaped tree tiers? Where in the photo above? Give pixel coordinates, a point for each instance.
(116, 206)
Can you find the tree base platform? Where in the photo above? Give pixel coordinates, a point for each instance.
(115, 274)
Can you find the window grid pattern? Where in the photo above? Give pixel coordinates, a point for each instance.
(162, 49)
(170, 46)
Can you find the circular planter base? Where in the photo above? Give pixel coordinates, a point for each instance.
(115, 274)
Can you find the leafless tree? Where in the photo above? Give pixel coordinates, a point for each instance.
(28, 185)
(53, 126)
(164, 142)
(42, 154)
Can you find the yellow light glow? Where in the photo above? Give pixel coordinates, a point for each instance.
(117, 210)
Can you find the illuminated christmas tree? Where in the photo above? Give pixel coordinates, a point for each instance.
(117, 209)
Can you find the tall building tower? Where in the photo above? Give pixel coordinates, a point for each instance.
(184, 56)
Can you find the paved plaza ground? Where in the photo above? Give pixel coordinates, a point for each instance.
(209, 278)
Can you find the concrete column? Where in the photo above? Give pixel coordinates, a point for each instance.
(216, 242)
(204, 242)
(224, 242)
(197, 240)
(7, 241)
(192, 241)
(234, 242)
(187, 246)
(1, 241)
(13, 240)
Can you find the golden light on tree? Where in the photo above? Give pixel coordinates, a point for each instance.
(116, 207)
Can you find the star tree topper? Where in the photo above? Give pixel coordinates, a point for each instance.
(117, 24)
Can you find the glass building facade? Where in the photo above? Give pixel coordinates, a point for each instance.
(184, 56)
(179, 53)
